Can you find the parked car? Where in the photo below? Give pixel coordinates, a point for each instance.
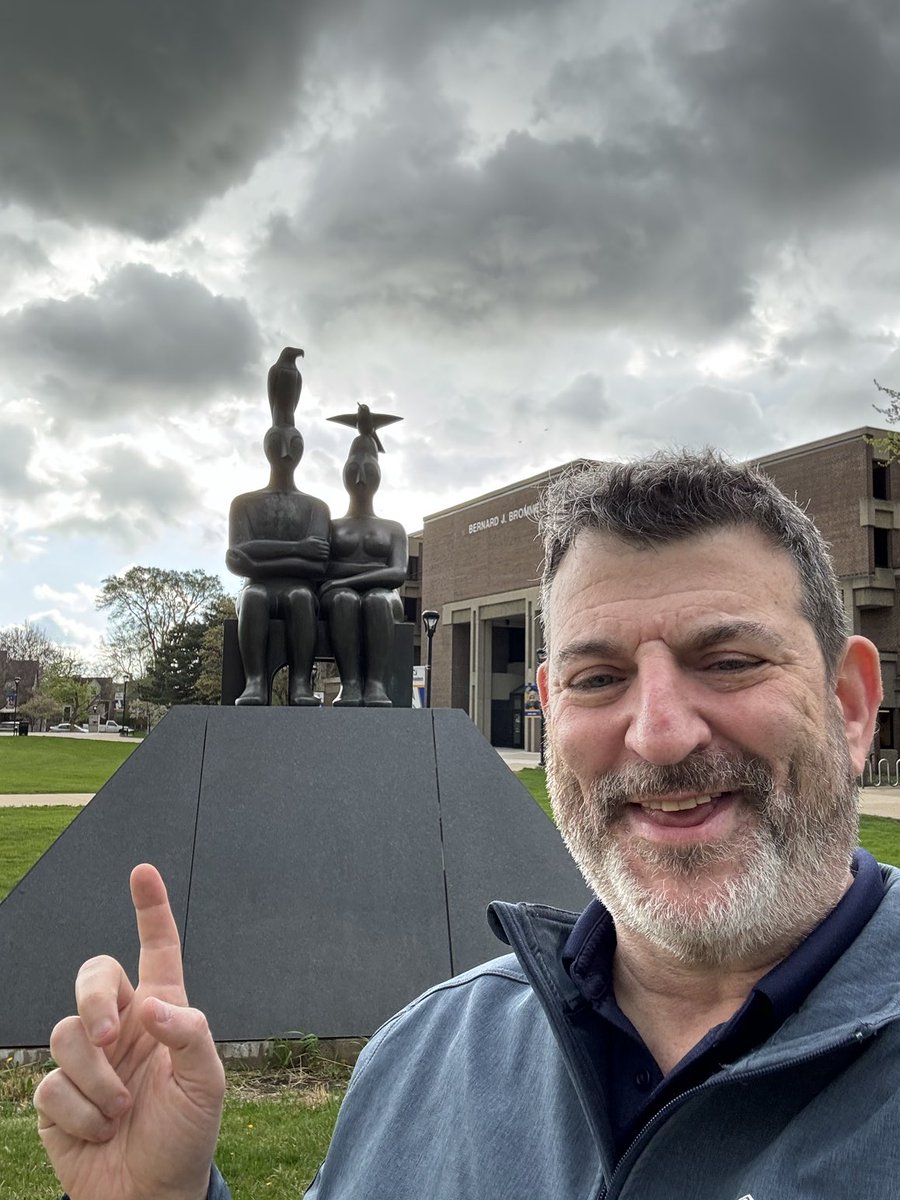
(8, 724)
(115, 727)
(67, 727)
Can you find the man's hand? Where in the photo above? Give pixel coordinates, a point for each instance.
(133, 1110)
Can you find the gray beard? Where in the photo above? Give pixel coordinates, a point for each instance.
(789, 865)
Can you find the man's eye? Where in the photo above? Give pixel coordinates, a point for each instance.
(735, 664)
(594, 682)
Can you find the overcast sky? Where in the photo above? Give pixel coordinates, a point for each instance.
(535, 231)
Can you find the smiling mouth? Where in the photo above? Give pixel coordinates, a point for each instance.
(680, 804)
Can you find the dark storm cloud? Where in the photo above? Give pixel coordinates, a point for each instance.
(826, 332)
(799, 100)
(584, 400)
(140, 338)
(133, 114)
(574, 230)
(395, 34)
(659, 182)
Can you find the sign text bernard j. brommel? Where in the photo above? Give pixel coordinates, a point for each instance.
(514, 514)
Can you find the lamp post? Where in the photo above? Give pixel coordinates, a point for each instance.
(430, 621)
(16, 681)
(124, 699)
(542, 658)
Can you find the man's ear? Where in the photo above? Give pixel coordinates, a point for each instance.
(543, 686)
(858, 689)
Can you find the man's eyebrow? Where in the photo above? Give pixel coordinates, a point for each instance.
(589, 648)
(730, 631)
(702, 639)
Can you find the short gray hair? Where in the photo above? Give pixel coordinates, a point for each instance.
(674, 495)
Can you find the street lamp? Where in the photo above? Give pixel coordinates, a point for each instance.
(124, 697)
(16, 681)
(430, 621)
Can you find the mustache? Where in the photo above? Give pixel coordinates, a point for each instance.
(702, 772)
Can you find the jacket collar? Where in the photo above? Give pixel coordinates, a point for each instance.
(857, 997)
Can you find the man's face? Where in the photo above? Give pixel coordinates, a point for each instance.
(699, 762)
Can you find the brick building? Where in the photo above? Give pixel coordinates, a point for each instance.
(481, 562)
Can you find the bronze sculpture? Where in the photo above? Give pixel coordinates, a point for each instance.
(278, 539)
(368, 562)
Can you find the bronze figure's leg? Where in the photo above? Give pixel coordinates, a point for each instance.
(378, 623)
(300, 627)
(253, 639)
(342, 609)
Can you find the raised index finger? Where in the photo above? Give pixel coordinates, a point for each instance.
(160, 972)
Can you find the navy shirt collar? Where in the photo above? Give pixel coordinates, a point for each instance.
(634, 1085)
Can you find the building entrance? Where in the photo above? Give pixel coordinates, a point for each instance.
(507, 643)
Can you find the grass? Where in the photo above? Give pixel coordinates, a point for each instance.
(32, 765)
(534, 779)
(275, 1131)
(25, 833)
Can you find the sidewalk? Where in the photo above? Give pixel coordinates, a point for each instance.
(79, 798)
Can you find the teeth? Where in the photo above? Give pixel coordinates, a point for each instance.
(678, 805)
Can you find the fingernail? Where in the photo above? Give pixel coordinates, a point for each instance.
(102, 1029)
(117, 1106)
(162, 1012)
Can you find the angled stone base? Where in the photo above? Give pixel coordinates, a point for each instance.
(325, 866)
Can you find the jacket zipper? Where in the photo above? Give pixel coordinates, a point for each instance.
(858, 1037)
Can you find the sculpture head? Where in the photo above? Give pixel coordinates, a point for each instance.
(283, 445)
(362, 474)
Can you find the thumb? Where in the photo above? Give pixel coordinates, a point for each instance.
(195, 1062)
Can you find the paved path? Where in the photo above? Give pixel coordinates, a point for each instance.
(46, 798)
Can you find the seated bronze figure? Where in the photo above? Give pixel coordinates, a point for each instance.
(359, 598)
(278, 539)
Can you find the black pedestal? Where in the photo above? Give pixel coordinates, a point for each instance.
(325, 866)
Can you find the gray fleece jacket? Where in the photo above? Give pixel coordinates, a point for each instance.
(485, 1088)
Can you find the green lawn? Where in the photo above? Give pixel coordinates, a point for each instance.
(25, 833)
(275, 1132)
(30, 765)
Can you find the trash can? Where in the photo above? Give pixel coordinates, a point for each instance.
(23, 729)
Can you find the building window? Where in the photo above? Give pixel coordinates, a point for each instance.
(882, 540)
(412, 568)
(881, 480)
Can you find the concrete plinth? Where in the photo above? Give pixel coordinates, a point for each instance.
(325, 866)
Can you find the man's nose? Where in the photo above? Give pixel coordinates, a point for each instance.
(666, 723)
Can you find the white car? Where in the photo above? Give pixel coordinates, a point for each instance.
(115, 727)
(67, 727)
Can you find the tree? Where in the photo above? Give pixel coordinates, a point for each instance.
(172, 675)
(187, 669)
(209, 680)
(29, 643)
(888, 447)
(41, 708)
(66, 685)
(148, 604)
